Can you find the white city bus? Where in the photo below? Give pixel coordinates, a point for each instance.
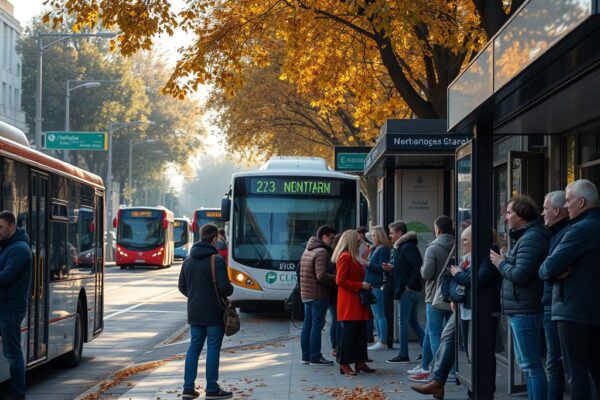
(273, 212)
(61, 207)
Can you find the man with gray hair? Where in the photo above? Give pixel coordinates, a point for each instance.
(556, 219)
(573, 266)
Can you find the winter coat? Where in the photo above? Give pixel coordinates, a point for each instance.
(374, 271)
(16, 265)
(407, 262)
(434, 261)
(349, 278)
(575, 297)
(490, 282)
(558, 231)
(315, 281)
(522, 288)
(195, 283)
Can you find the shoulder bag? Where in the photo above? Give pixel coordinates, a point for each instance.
(440, 301)
(231, 319)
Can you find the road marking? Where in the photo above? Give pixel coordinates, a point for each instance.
(140, 304)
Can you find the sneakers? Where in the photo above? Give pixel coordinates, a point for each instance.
(399, 360)
(304, 361)
(451, 378)
(377, 346)
(416, 370)
(219, 394)
(190, 394)
(321, 361)
(423, 377)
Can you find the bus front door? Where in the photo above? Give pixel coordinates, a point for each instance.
(37, 338)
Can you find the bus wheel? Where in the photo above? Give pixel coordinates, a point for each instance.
(123, 266)
(73, 358)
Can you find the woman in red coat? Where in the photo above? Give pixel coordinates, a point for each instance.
(350, 312)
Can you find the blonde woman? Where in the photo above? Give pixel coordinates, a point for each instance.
(374, 275)
(350, 312)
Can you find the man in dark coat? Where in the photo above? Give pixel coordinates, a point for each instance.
(405, 264)
(556, 219)
(522, 288)
(573, 265)
(15, 279)
(205, 315)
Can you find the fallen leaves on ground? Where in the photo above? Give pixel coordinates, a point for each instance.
(254, 347)
(125, 373)
(356, 393)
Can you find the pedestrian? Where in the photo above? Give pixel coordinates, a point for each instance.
(522, 289)
(205, 315)
(573, 266)
(222, 245)
(335, 330)
(405, 264)
(556, 218)
(442, 363)
(316, 285)
(350, 311)
(15, 279)
(374, 276)
(436, 256)
(364, 250)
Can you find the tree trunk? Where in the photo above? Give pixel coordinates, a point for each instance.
(368, 186)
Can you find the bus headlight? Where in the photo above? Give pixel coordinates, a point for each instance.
(241, 279)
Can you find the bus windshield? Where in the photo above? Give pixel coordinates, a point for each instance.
(140, 229)
(271, 230)
(180, 233)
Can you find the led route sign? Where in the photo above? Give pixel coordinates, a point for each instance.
(294, 186)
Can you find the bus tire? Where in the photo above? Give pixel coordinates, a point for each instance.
(73, 358)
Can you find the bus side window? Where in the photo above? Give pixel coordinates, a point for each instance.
(15, 190)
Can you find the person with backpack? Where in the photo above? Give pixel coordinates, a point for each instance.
(316, 285)
(205, 315)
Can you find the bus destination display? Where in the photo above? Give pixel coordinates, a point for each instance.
(295, 186)
(141, 214)
(208, 214)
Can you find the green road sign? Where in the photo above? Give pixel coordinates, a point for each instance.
(76, 140)
(350, 161)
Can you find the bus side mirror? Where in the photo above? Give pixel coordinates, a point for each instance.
(115, 222)
(225, 209)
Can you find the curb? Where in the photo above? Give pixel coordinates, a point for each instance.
(97, 388)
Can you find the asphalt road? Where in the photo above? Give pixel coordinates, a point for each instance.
(142, 309)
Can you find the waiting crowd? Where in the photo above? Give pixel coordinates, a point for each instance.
(545, 276)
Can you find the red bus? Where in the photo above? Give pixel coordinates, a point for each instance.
(61, 207)
(144, 237)
(203, 216)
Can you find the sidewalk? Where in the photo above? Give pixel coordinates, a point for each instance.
(272, 370)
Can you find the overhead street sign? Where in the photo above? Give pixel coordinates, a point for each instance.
(351, 158)
(76, 140)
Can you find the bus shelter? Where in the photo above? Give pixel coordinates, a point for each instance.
(530, 100)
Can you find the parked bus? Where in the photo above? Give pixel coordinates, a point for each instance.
(273, 212)
(144, 237)
(203, 216)
(61, 207)
(184, 238)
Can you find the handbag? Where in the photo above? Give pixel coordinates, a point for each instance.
(293, 304)
(367, 297)
(441, 302)
(231, 319)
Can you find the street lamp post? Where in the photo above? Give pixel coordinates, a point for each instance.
(112, 126)
(41, 48)
(134, 142)
(82, 84)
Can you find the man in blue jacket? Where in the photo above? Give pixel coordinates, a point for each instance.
(573, 265)
(556, 219)
(522, 289)
(15, 279)
(204, 312)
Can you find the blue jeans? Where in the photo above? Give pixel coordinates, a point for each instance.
(554, 364)
(335, 330)
(10, 329)
(379, 315)
(443, 359)
(408, 315)
(527, 335)
(314, 320)
(213, 334)
(436, 319)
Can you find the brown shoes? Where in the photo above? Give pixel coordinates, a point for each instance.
(363, 367)
(434, 388)
(345, 369)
